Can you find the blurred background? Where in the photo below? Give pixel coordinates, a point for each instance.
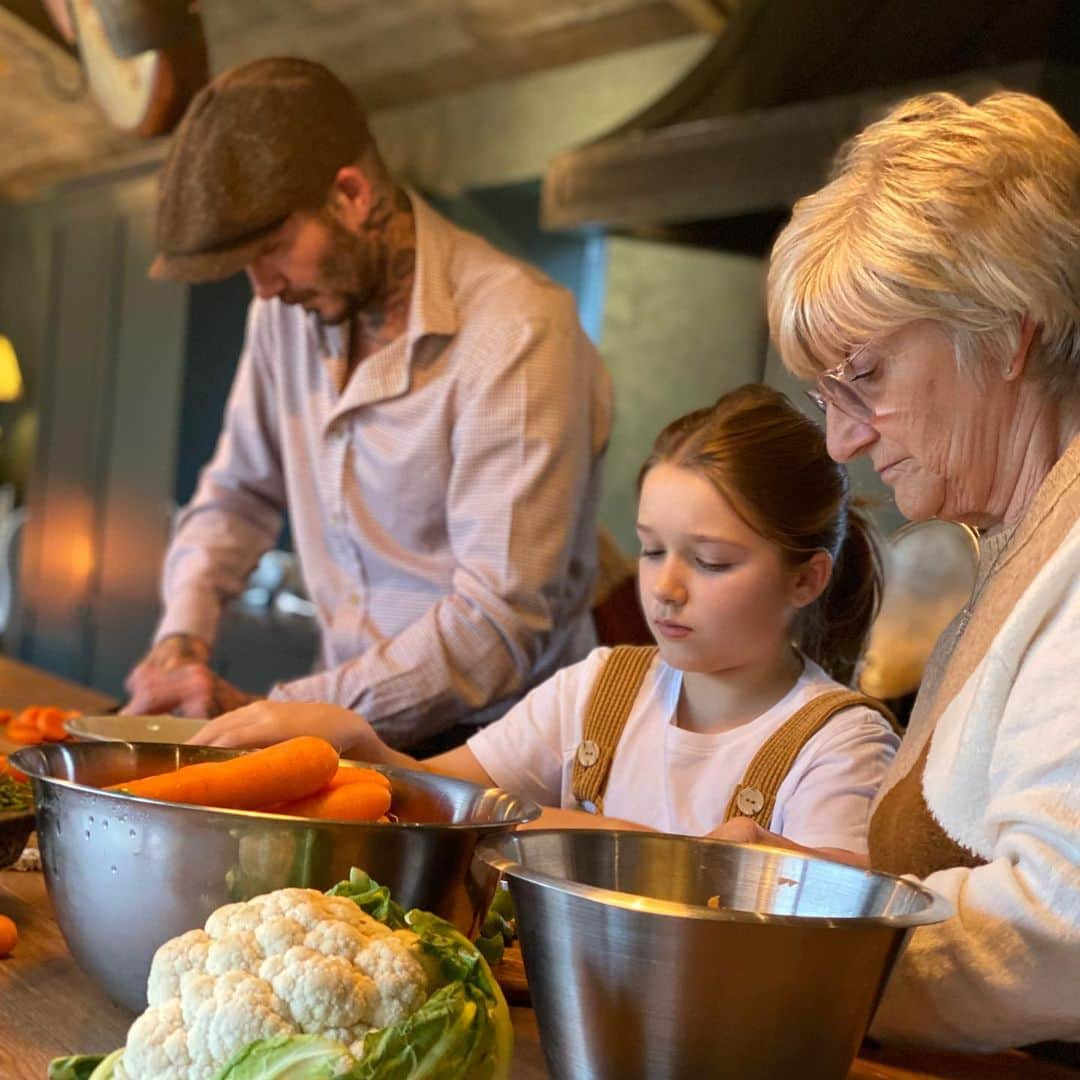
(642, 152)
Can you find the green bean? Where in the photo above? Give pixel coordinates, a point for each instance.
(15, 795)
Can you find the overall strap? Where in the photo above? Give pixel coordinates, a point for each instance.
(609, 707)
(755, 795)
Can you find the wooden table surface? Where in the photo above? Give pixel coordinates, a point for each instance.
(49, 1008)
(22, 685)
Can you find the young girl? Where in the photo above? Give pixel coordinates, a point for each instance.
(759, 581)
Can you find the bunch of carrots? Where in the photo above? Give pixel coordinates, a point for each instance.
(300, 777)
(36, 723)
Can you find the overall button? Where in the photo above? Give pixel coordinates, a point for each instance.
(588, 753)
(749, 801)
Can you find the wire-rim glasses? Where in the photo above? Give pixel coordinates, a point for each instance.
(836, 387)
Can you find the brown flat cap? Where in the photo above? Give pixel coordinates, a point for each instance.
(257, 144)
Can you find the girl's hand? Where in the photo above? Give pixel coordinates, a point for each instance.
(554, 817)
(263, 723)
(744, 830)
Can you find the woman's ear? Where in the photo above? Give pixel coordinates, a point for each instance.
(810, 578)
(1018, 360)
(352, 195)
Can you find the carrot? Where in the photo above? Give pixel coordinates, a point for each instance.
(349, 802)
(9, 935)
(51, 722)
(27, 734)
(347, 774)
(284, 772)
(37, 723)
(344, 777)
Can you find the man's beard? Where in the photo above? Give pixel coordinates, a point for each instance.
(349, 270)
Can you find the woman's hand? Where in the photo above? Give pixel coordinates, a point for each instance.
(263, 723)
(744, 830)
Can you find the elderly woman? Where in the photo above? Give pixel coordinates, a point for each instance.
(932, 287)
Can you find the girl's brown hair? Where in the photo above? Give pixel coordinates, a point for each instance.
(770, 462)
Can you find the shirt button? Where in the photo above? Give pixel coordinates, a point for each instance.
(588, 753)
(749, 801)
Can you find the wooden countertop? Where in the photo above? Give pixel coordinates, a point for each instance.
(22, 685)
(49, 1008)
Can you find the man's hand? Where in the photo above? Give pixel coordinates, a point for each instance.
(175, 677)
(266, 722)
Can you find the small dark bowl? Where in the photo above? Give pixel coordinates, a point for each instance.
(15, 828)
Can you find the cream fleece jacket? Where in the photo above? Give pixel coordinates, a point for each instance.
(1003, 778)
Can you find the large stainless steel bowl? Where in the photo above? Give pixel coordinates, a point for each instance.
(126, 874)
(665, 956)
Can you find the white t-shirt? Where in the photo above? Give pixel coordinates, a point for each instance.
(681, 781)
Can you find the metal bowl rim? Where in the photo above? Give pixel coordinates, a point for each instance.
(937, 910)
(530, 810)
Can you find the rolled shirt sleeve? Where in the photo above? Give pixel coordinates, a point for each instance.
(235, 514)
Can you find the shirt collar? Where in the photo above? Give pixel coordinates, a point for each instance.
(431, 310)
(432, 313)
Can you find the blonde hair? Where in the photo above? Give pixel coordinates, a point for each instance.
(966, 215)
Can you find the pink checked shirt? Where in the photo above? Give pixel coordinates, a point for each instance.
(443, 504)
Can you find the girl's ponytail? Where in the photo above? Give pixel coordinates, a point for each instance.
(834, 629)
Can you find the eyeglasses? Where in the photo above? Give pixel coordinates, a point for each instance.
(837, 387)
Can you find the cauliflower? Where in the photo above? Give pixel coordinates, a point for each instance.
(294, 961)
(308, 985)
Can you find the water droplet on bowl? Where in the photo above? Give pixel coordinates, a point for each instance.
(87, 834)
(113, 870)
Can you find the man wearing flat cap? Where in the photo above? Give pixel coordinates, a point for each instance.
(427, 409)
